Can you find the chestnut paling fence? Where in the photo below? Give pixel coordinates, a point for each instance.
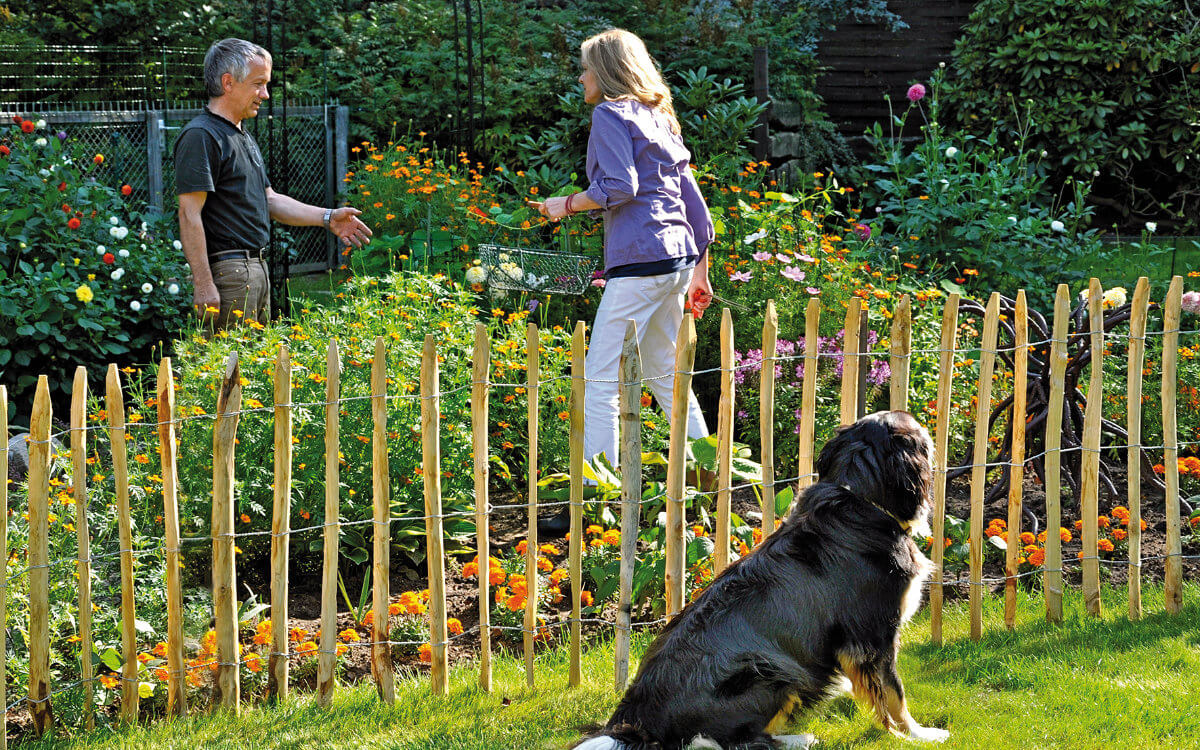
(228, 662)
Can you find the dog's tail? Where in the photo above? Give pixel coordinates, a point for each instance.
(619, 737)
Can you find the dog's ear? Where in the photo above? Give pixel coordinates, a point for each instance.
(852, 459)
(909, 473)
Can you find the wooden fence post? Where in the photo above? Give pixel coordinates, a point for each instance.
(575, 467)
(850, 357)
(327, 652)
(676, 552)
(481, 366)
(1133, 460)
(1053, 445)
(531, 538)
(431, 461)
(115, 405)
(83, 541)
(724, 445)
(631, 494)
(983, 407)
(900, 361)
(1089, 482)
(87, 690)
(229, 408)
(766, 417)
(281, 526)
(381, 650)
(941, 446)
(1173, 578)
(39, 574)
(808, 393)
(176, 679)
(1016, 465)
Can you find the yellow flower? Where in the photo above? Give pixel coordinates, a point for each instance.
(84, 293)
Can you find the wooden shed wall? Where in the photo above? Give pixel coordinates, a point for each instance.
(866, 61)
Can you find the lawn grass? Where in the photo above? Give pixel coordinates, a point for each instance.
(1107, 683)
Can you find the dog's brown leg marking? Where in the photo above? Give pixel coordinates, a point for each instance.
(783, 717)
(867, 689)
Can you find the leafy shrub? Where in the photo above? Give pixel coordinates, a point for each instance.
(974, 209)
(84, 278)
(1112, 87)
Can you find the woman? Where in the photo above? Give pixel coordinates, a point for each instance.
(656, 229)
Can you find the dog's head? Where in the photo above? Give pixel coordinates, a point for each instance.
(885, 458)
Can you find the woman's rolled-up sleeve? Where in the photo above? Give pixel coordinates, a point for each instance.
(696, 209)
(614, 181)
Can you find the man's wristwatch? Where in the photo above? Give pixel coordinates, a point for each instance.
(328, 215)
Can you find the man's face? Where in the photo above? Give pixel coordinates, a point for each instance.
(247, 95)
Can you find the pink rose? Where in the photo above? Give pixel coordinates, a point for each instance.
(916, 92)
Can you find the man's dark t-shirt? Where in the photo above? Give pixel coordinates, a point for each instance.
(214, 156)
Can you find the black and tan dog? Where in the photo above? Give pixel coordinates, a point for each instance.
(817, 605)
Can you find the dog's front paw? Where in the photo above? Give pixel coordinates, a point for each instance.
(794, 741)
(927, 734)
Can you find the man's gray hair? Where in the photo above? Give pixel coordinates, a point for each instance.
(232, 56)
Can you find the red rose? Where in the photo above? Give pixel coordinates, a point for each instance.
(62, 186)
(27, 126)
(109, 258)
(66, 209)
(126, 190)
(17, 119)
(4, 150)
(73, 223)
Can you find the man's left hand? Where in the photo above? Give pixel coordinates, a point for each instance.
(350, 230)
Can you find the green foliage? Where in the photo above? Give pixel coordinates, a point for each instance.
(1112, 87)
(84, 278)
(975, 209)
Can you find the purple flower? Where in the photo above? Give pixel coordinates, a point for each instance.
(880, 372)
(805, 258)
(813, 290)
(741, 276)
(533, 305)
(782, 258)
(761, 256)
(1191, 303)
(793, 273)
(62, 135)
(863, 231)
(916, 92)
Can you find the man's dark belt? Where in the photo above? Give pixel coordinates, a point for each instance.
(236, 254)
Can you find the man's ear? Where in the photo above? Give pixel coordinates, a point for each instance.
(227, 82)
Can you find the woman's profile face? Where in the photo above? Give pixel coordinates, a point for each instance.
(591, 92)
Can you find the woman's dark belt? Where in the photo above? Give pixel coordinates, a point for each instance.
(236, 254)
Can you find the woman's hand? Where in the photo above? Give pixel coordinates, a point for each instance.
(552, 208)
(699, 295)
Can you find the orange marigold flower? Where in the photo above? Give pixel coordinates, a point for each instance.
(515, 603)
(544, 564)
(454, 626)
(1120, 512)
(1064, 535)
(470, 570)
(1102, 521)
(1105, 545)
(1027, 537)
(341, 649)
(522, 546)
(612, 537)
(586, 598)
(253, 662)
(308, 648)
(1037, 558)
(425, 652)
(496, 576)
(394, 609)
(1119, 534)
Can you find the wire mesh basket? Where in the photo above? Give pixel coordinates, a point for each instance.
(538, 271)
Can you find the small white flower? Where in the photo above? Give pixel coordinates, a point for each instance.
(942, 64)
(750, 239)
(147, 288)
(123, 253)
(40, 124)
(117, 274)
(177, 245)
(113, 220)
(101, 249)
(1096, 173)
(1151, 227)
(118, 232)
(476, 275)
(173, 289)
(40, 142)
(1058, 226)
(944, 183)
(1045, 153)
(1013, 219)
(135, 305)
(951, 151)
(44, 172)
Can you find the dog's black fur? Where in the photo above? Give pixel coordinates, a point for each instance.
(820, 601)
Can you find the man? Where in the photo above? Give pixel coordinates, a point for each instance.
(225, 198)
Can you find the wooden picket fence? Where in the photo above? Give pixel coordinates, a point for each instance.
(223, 537)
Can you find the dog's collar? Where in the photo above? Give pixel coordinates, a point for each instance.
(905, 526)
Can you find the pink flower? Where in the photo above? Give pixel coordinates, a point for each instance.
(793, 273)
(1191, 303)
(916, 92)
(813, 290)
(741, 276)
(863, 231)
(761, 256)
(806, 258)
(782, 258)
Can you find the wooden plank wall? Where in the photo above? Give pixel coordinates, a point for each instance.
(864, 61)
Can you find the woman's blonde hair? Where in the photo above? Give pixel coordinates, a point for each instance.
(624, 70)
